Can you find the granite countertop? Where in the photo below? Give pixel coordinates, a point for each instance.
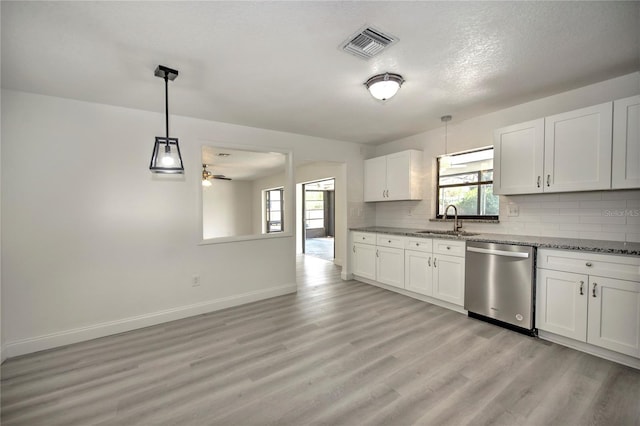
(600, 246)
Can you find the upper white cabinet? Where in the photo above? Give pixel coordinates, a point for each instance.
(577, 149)
(626, 143)
(393, 177)
(518, 156)
(560, 153)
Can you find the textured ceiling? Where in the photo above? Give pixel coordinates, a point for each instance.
(277, 65)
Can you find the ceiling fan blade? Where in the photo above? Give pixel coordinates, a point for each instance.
(221, 177)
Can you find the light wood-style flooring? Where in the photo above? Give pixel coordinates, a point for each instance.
(335, 353)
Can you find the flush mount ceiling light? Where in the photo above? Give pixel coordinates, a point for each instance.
(384, 86)
(166, 156)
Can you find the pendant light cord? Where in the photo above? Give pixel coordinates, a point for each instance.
(166, 104)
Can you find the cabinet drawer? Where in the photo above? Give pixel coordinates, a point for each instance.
(386, 240)
(604, 265)
(364, 238)
(449, 247)
(419, 244)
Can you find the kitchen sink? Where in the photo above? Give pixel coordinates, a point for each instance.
(454, 233)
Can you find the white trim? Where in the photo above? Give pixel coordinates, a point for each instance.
(53, 340)
(590, 349)
(418, 296)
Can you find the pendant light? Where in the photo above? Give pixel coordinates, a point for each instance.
(445, 160)
(166, 156)
(384, 86)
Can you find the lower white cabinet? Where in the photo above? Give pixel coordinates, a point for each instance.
(390, 266)
(614, 315)
(448, 279)
(364, 260)
(574, 303)
(364, 254)
(437, 275)
(430, 267)
(561, 303)
(418, 274)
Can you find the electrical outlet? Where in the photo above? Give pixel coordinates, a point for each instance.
(195, 281)
(513, 210)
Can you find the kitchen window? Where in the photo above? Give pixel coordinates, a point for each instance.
(274, 199)
(466, 181)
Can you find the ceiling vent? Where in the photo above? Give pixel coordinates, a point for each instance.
(368, 42)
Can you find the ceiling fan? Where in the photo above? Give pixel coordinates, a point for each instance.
(207, 176)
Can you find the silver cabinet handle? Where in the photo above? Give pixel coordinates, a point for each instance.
(589, 264)
(429, 261)
(594, 289)
(539, 181)
(448, 248)
(434, 262)
(387, 193)
(548, 180)
(581, 288)
(354, 249)
(389, 241)
(377, 254)
(383, 193)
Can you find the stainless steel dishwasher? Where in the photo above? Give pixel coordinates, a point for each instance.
(499, 284)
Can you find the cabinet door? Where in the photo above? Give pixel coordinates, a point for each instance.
(448, 279)
(518, 155)
(390, 266)
(626, 143)
(577, 149)
(561, 303)
(364, 260)
(375, 179)
(614, 315)
(399, 176)
(417, 272)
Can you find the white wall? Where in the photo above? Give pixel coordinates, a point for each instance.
(589, 215)
(227, 207)
(93, 243)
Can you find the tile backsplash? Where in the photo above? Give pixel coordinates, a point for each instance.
(600, 215)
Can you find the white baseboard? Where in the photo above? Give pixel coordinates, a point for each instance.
(411, 294)
(53, 340)
(590, 349)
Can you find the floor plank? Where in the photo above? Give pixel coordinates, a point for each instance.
(336, 353)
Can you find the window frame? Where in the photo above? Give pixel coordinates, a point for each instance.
(267, 210)
(477, 184)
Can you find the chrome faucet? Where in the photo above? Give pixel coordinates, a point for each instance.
(456, 225)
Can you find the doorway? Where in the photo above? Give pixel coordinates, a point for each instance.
(318, 216)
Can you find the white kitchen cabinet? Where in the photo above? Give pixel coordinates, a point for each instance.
(448, 278)
(561, 303)
(393, 177)
(614, 315)
(561, 153)
(390, 266)
(626, 143)
(518, 156)
(439, 272)
(577, 149)
(418, 273)
(590, 297)
(364, 254)
(375, 179)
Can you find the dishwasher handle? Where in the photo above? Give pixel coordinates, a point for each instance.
(499, 252)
